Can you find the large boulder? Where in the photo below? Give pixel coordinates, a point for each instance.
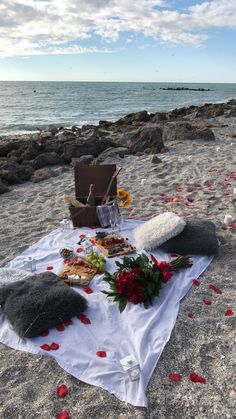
(82, 160)
(43, 174)
(47, 159)
(147, 137)
(210, 110)
(134, 117)
(181, 131)
(93, 146)
(159, 117)
(111, 152)
(13, 173)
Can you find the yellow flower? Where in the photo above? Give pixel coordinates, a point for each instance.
(122, 194)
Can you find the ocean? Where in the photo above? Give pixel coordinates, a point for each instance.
(26, 106)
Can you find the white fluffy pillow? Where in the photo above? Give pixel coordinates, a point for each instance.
(158, 230)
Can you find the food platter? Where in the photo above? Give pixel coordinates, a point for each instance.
(112, 244)
(78, 271)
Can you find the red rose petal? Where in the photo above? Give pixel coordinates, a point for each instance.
(44, 333)
(93, 227)
(67, 261)
(196, 282)
(45, 347)
(81, 316)
(54, 346)
(174, 255)
(88, 290)
(63, 415)
(60, 327)
(79, 250)
(62, 390)
(207, 302)
(49, 268)
(195, 378)
(190, 315)
(68, 322)
(175, 377)
(82, 236)
(214, 288)
(101, 354)
(229, 312)
(85, 320)
(163, 195)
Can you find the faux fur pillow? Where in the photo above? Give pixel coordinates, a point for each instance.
(198, 238)
(38, 303)
(156, 231)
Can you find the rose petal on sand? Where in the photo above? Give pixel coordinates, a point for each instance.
(63, 415)
(190, 315)
(101, 354)
(214, 288)
(62, 390)
(175, 377)
(229, 312)
(196, 282)
(207, 302)
(195, 378)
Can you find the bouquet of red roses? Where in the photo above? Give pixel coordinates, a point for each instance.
(140, 280)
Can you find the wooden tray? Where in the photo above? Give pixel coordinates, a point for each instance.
(128, 248)
(78, 272)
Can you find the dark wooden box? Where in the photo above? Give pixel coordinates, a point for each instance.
(99, 176)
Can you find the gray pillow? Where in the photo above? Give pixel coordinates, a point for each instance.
(38, 303)
(197, 238)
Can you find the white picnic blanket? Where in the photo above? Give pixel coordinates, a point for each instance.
(137, 331)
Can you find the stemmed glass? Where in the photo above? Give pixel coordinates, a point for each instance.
(119, 221)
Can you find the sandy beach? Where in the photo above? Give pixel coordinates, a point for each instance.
(195, 178)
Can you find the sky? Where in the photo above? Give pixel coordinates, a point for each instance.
(118, 40)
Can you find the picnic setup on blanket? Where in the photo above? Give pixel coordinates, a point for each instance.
(101, 294)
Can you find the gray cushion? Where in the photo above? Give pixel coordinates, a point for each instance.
(38, 303)
(197, 238)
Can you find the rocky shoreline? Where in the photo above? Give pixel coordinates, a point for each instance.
(32, 157)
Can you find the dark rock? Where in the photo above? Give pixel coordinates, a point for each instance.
(25, 172)
(142, 116)
(42, 174)
(13, 173)
(147, 137)
(159, 117)
(210, 110)
(156, 160)
(139, 153)
(112, 152)
(47, 159)
(5, 149)
(93, 146)
(82, 160)
(182, 131)
(3, 188)
(46, 135)
(232, 113)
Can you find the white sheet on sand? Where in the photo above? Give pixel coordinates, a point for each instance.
(137, 331)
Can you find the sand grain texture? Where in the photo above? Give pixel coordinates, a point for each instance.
(204, 343)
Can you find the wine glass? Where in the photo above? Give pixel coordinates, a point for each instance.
(120, 221)
(113, 222)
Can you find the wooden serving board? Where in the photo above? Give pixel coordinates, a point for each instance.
(78, 272)
(126, 249)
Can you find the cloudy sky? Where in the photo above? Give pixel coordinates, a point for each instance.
(118, 40)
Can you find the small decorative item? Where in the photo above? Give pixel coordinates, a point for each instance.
(87, 246)
(228, 219)
(140, 280)
(65, 224)
(29, 264)
(131, 366)
(123, 196)
(66, 253)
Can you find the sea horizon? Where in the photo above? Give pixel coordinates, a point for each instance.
(26, 106)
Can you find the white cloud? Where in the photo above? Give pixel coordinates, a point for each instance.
(34, 27)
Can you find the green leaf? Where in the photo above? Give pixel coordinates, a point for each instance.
(122, 304)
